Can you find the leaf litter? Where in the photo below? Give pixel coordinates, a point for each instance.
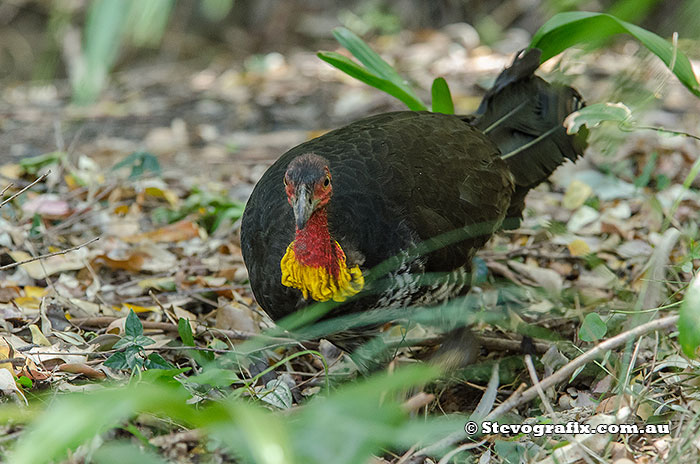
(601, 241)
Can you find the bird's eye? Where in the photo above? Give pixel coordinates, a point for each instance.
(326, 182)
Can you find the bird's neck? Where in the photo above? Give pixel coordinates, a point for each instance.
(314, 246)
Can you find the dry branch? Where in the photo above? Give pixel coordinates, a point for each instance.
(48, 255)
(38, 179)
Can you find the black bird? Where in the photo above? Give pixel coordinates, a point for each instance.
(331, 209)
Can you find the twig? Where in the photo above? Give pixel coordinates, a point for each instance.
(536, 383)
(78, 215)
(7, 187)
(38, 179)
(166, 441)
(104, 321)
(417, 401)
(49, 255)
(514, 401)
(520, 397)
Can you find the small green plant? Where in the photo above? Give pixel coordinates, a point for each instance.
(556, 35)
(211, 208)
(140, 162)
(593, 328)
(133, 355)
(378, 73)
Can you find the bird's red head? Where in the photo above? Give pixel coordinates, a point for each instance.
(314, 262)
(308, 186)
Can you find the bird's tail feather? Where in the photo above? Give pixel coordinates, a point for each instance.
(523, 115)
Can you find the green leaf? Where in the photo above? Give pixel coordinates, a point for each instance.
(117, 361)
(133, 356)
(566, 29)
(185, 331)
(104, 28)
(35, 229)
(26, 382)
(123, 343)
(364, 53)
(377, 72)
(121, 452)
(215, 10)
(132, 326)
(593, 328)
(142, 340)
(277, 393)
(441, 96)
(156, 361)
(33, 164)
(214, 376)
(73, 419)
(147, 21)
(689, 321)
(140, 163)
(352, 69)
(510, 451)
(592, 115)
(645, 176)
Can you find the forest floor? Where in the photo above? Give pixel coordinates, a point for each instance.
(147, 186)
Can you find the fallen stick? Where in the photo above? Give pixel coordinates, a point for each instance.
(48, 255)
(570, 367)
(38, 179)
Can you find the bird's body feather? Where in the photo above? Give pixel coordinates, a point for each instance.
(391, 192)
(399, 179)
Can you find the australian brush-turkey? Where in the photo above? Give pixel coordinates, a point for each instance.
(331, 209)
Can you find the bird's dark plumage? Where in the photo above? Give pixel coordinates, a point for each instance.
(399, 179)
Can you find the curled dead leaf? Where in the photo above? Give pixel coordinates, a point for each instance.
(176, 232)
(80, 368)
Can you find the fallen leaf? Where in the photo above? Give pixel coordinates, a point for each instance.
(583, 216)
(6, 352)
(578, 248)
(40, 269)
(132, 263)
(38, 338)
(576, 194)
(168, 195)
(46, 205)
(234, 316)
(176, 232)
(548, 279)
(8, 384)
(27, 302)
(139, 309)
(9, 293)
(80, 368)
(35, 292)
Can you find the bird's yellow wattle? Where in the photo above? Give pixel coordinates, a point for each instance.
(318, 282)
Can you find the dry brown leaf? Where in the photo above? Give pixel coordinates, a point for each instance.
(234, 316)
(6, 352)
(132, 263)
(8, 293)
(548, 279)
(80, 368)
(176, 232)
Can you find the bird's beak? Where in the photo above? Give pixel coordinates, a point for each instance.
(303, 206)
